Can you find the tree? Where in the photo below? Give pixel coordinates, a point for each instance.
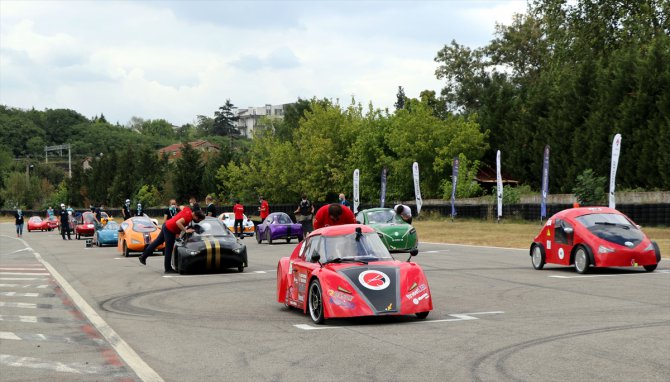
(400, 99)
(589, 188)
(188, 174)
(224, 120)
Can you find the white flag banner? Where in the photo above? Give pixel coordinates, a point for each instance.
(616, 148)
(357, 199)
(499, 185)
(417, 190)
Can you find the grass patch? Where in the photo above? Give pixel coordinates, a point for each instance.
(510, 234)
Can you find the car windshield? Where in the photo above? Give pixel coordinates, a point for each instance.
(36, 219)
(614, 228)
(211, 227)
(143, 224)
(88, 218)
(383, 216)
(111, 226)
(280, 219)
(368, 247)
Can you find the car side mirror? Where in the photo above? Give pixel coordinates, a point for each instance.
(568, 230)
(413, 252)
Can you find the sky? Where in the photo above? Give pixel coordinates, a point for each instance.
(176, 60)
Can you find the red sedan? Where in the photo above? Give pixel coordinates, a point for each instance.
(35, 223)
(593, 237)
(346, 271)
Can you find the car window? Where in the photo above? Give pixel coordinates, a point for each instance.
(614, 228)
(211, 227)
(605, 219)
(143, 224)
(559, 232)
(88, 218)
(360, 218)
(368, 247)
(111, 226)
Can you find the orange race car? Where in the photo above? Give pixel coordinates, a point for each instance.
(137, 233)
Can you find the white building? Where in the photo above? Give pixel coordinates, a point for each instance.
(250, 118)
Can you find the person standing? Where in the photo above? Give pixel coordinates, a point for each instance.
(210, 210)
(304, 214)
(64, 216)
(264, 209)
(171, 211)
(238, 210)
(138, 211)
(404, 211)
(333, 214)
(344, 201)
(50, 212)
(169, 231)
(126, 210)
(18, 220)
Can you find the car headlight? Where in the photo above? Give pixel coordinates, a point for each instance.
(650, 247)
(237, 251)
(412, 231)
(194, 252)
(133, 241)
(603, 249)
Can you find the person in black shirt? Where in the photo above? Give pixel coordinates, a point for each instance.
(18, 218)
(126, 210)
(304, 214)
(211, 210)
(171, 211)
(64, 222)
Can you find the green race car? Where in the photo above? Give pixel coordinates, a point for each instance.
(395, 233)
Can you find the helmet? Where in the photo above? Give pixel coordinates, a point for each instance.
(127, 201)
(62, 205)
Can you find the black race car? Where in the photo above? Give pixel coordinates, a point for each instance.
(212, 247)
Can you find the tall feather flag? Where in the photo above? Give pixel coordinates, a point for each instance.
(382, 197)
(357, 199)
(545, 183)
(417, 190)
(454, 181)
(499, 185)
(616, 148)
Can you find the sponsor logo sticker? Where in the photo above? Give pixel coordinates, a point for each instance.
(418, 299)
(342, 303)
(340, 295)
(416, 291)
(374, 280)
(561, 253)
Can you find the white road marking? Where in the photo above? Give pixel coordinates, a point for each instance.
(219, 274)
(27, 305)
(131, 358)
(436, 251)
(12, 252)
(28, 319)
(659, 272)
(14, 294)
(73, 367)
(22, 269)
(9, 336)
(24, 273)
(24, 286)
(458, 317)
(22, 278)
(46, 337)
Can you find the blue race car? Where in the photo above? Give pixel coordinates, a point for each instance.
(107, 234)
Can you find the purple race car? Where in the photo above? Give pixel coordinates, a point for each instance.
(278, 225)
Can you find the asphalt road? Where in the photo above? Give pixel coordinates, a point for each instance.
(73, 313)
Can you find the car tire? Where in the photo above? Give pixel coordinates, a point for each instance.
(581, 260)
(240, 268)
(268, 237)
(422, 315)
(650, 268)
(97, 241)
(288, 240)
(126, 252)
(315, 302)
(259, 239)
(537, 256)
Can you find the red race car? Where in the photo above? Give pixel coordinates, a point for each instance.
(85, 225)
(35, 223)
(593, 237)
(346, 271)
(52, 222)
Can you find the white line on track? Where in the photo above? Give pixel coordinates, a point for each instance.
(12, 252)
(474, 246)
(24, 273)
(659, 272)
(14, 294)
(73, 367)
(22, 269)
(25, 305)
(132, 359)
(219, 274)
(22, 278)
(458, 317)
(24, 286)
(436, 251)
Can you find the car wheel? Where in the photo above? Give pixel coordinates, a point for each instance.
(97, 241)
(288, 240)
(422, 315)
(537, 257)
(126, 252)
(259, 239)
(240, 268)
(315, 302)
(581, 260)
(268, 236)
(650, 268)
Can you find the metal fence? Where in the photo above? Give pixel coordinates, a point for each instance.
(643, 214)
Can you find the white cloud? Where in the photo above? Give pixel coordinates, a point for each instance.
(177, 60)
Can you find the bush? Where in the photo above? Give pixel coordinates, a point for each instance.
(467, 186)
(589, 188)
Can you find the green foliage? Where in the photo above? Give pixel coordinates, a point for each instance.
(21, 191)
(188, 174)
(148, 196)
(589, 188)
(511, 194)
(224, 120)
(467, 186)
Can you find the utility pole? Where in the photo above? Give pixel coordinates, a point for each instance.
(60, 148)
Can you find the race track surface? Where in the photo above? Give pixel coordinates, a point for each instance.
(68, 312)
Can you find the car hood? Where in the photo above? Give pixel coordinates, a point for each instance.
(618, 235)
(378, 284)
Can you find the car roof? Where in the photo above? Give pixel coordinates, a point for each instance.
(572, 213)
(339, 230)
